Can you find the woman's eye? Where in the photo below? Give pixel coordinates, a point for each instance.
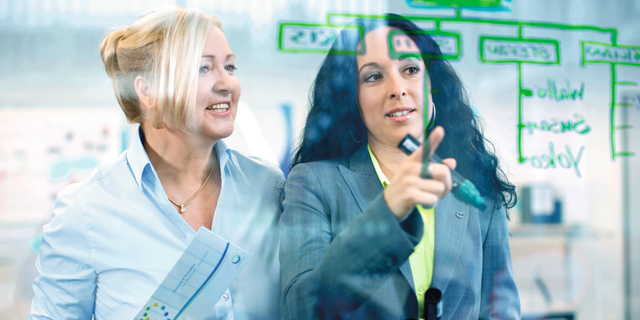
(412, 70)
(230, 68)
(373, 77)
(204, 69)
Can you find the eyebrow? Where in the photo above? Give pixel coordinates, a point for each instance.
(213, 57)
(402, 57)
(409, 56)
(370, 64)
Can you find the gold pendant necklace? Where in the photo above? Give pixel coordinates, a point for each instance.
(182, 209)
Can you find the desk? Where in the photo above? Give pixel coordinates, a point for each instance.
(552, 277)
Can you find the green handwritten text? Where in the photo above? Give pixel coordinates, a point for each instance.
(551, 91)
(554, 125)
(553, 160)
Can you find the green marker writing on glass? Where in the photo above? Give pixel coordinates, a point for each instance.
(463, 189)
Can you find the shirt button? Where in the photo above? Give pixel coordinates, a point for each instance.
(417, 249)
(420, 290)
(225, 297)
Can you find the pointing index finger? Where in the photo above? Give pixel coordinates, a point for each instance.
(435, 138)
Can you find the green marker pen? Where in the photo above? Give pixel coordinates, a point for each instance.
(463, 189)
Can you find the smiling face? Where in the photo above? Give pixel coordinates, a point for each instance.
(390, 92)
(218, 88)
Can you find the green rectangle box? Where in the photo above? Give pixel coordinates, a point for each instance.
(520, 50)
(449, 43)
(314, 37)
(597, 52)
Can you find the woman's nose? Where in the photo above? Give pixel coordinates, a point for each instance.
(396, 87)
(224, 84)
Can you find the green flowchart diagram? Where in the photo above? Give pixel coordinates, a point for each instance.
(295, 37)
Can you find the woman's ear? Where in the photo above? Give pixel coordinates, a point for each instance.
(143, 89)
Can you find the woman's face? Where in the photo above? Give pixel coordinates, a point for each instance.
(218, 88)
(390, 92)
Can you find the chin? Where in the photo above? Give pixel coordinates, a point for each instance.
(219, 132)
(417, 131)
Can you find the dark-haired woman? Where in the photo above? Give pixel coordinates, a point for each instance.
(362, 235)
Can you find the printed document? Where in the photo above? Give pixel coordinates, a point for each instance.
(197, 281)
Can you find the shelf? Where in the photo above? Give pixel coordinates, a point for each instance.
(558, 230)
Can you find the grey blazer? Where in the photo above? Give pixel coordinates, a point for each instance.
(343, 254)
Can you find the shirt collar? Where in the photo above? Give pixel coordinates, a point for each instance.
(139, 160)
(376, 166)
(224, 155)
(136, 155)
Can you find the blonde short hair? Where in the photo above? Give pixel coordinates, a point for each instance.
(165, 47)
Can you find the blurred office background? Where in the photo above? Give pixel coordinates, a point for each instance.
(566, 125)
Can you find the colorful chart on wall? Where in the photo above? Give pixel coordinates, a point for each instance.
(48, 149)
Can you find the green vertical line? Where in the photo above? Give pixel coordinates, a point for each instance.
(626, 222)
(437, 25)
(613, 112)
(614, 42)
(521, 159)
(520, 31)
(425, 123)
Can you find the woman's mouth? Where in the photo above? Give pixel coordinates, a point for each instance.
(220, 108)
(401, 114)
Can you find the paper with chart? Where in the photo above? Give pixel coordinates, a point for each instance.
(196, 282)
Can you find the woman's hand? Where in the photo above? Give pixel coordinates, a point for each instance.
(407, 189)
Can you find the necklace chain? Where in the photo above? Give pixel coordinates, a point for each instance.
(182, 209)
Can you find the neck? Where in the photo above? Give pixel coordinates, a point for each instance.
(180, 159)
(389, 157)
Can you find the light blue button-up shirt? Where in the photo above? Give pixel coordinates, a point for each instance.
(114, 238)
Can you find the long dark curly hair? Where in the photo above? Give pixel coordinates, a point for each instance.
(334, 128)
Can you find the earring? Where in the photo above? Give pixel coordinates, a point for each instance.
(432, 120)
(353, 136)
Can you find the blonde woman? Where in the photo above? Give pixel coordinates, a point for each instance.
(113, 238)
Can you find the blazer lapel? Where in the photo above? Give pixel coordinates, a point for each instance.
(405, 269)
(451, 217)
(365, 185)
(361, 178)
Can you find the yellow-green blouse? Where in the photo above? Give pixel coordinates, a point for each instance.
(421, 259)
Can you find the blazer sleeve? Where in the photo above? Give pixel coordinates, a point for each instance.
(323, 274)
(499, 296)
(66, 282)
